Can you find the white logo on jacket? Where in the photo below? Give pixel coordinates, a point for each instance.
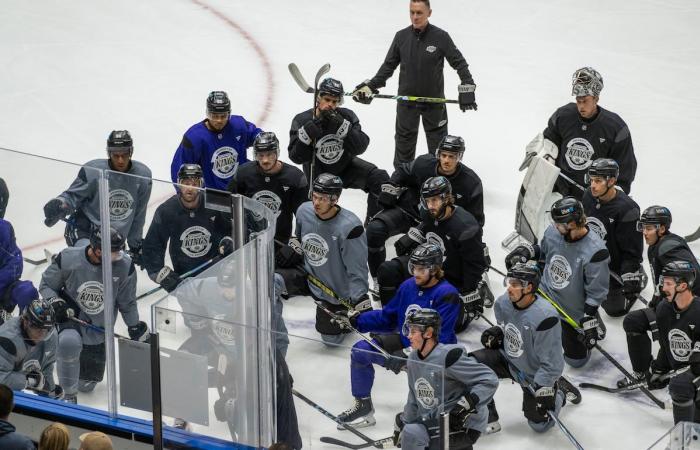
(579, 154)
(679, 344)
(315, 248)
(329, 149)
(195, 241)
(597, 226)
(430, 49)
(224, 162)
(120, 204)
(223, 330)
(425, 393)
(559, 271)
(90, 297)
(269, 199)
(513, 342)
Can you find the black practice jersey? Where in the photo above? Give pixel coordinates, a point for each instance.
(582, 141)
(466, 184)
(671, 247)
(616, 223)
(334, 149)
(282, 192)
(677, 333)
(194, 236)
(459, 237)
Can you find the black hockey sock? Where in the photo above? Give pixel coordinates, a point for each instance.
(639, 347)
(375, 256)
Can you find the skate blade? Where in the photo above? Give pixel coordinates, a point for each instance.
(493, 427)
(364, 423)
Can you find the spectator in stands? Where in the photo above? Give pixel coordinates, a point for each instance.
(54, 437)
(95, 440)
(9, 438)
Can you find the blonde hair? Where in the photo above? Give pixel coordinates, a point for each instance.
(54, 437)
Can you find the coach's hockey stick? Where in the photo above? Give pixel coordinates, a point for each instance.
(410, 98)
(387, 442)
(335, 419)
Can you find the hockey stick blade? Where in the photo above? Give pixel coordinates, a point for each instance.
(611, 390)
(321, 72)
(34, 262)
(299, 78)
(693, 237)
(387, 442)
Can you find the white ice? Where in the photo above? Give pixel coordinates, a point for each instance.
(74, 70)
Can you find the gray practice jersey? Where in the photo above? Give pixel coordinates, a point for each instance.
(335, 252)
(532, 340)
(18, 356)
(128, 197)
(429, 384)
(575, 273)
(74, 278)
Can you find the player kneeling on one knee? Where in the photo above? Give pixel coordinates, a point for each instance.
(464, 387)
(426, 289)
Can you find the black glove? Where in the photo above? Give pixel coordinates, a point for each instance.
(225, 246)
(35, 381)
(61, 310)
(466, 97)
(389, 195)
(631, 285)
(362, 304)
(465, 407)
(312, 128)
(409, 241)
(544, 397)
(522, 254)
(346, 320)
(589, 324)
(398, 428)
(472, 303)
(168, 279)
(658, 378)
(54, 211)
(396, 362)
(364, 93)
(136, 254)
(289, 255)
(224, 409)
(333, 120)
(492, 338)
(139, 332)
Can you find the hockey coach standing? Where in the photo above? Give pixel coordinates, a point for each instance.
(421, 50)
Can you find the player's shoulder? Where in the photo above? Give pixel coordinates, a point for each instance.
(99, 163)
(302, 117)
(466, 218)
(196, 129)
(610, 117)
(349, 218)
(305, 210)
(566, 111)
(140, 169)
(425, 166)
(348, 113)
(247, 169)
(290, 170)
(237, 121)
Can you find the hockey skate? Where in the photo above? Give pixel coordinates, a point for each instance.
(182, 424)
(360, 415)
(571, 392)
(493, 426)
(71, 398)
(637, 377)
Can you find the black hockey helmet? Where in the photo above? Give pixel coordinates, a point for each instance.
(680, 271)
(120, 141)
(218, 103)
(116, 239)
(226, 278)
(191, 172)
(435, 186)
(655, 215)
(566, 210)
(451, 144)
(427, 255)
(39, 314)
(327, 183)
(526, 273)
(603, 167)
(586, 81)
(424, 318)
(332, 87)
(266, 141)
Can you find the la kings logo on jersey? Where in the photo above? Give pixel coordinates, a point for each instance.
(559, 271)
(679, 344)
(90, 297)
(269, 199)
(597, 226)
(195, 241)
(120, 204)
(329, 149)
(425, 393)
(223, 330)
(315, 248)
(434, 238)
(579, 154)
(513, 342)
(224, 162)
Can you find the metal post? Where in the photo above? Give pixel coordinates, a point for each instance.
(156, 398)
(444, 431)
(237, 221)
(108, 294)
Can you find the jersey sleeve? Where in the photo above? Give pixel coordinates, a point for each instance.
(155, 243)
(596, 278)
(79, 191)
(385, 319)
(552, 131)
(52, 279)
(252, 132)
(391, 61)
(186, 153)
(448, 307)
(300, 192)
(403, 175)
(354, 252)
(477, 378)
(473, 265)
(456, 60)
(15, 380)
(475, 205)
(547, 341)
(410, 409)
(299, 151)
(136, 232)
(126, 298)
(631, 250)
(622, 151)
(11, 263)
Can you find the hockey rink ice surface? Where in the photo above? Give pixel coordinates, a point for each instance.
(73, 71)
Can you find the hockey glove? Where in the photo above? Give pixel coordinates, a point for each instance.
(54, 211)
(333, 120)
(136, 254)
(224, 409)
(466, 97)
(589, 324)
(289, 255)
(139, 332)
(311, 131)
(492, 338)
(362, 304)
(522, 254)
(460, 413)
(396, 362)
(35, 381)
(544, 398)
(485, 292)
(472, 303)
(658, 378)
(225, 246)
(632, 285)
(389, 195)
(409, 241)
(61, 310)
(398, 428)
(168, 279)
(364, 93)
(346, 320)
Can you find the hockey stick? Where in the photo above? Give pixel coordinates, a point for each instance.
(37, 262)
(634, 386)
(619, 279)
(694, 236)
(95, 327)
(333, 316)
(335, 419)
(379, 443)
(182, 277)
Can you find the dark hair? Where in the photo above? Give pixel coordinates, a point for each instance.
(6, 401)
(280, 446)
(427, 2)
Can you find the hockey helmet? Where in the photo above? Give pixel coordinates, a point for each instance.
(116, 239)
(266, 142)
(120, 141)
(327, 183)
(586, 81)
(424, 318)
(603, 167)
(451, 144)
(332, 87)
(426, 255)
(655, 215)
(39, 314)
(218, 103)
(566, 210)
(526, 273)
(190, 172)
(680, 271)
